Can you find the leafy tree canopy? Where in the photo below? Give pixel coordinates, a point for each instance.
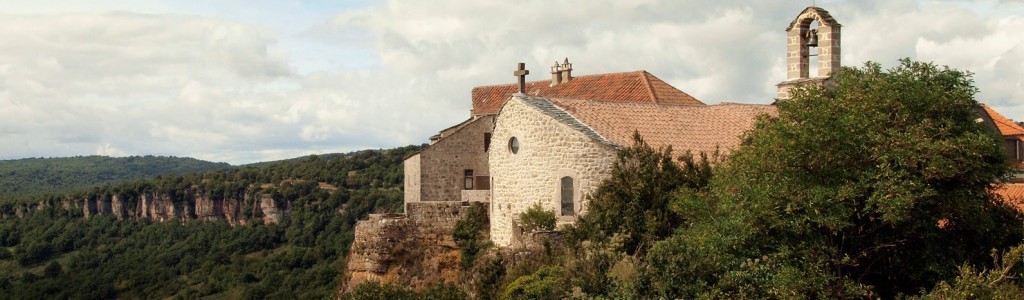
(878, 184)
(634, 203)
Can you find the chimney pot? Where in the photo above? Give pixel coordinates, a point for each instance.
(556, 74)
(566, 69)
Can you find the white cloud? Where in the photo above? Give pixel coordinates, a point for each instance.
(233, 89)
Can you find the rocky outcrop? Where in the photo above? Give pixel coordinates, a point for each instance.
(272, 212)
(119, 207)
(192, 204)
(414, 249)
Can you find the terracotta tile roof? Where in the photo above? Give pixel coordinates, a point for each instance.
(702, 128)
(637, 86)
(1012, 194)
(1006, 127)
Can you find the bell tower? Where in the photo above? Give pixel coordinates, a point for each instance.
(800, 38)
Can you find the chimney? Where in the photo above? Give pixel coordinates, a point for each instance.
(556, 74)
(566, 69)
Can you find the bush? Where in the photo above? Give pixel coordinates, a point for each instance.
(537, 218)
(53, 270)
(469, 234)
(545, 283)
(375, 290)
(1001, 282)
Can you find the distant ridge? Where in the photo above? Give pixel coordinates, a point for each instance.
(35, 176)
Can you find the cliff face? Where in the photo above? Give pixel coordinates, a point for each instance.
(415, 249)
(191, 204)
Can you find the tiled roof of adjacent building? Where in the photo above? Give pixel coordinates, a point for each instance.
(1006, 127)
(637, 86)
(697, 128)
(1012, 194)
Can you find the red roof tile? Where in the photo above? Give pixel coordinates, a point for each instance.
(704, 128)
(637, 86)
(1012, 194)
(1006, 127)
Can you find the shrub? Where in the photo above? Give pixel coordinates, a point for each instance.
(469, 234)
(545, 283)
(537, 218)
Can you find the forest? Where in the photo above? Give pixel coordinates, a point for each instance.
(55, 253)
(21, 178)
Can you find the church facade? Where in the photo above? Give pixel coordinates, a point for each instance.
(555, 151)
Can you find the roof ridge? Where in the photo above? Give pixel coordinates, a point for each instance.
(650, 88)
(739, 103)
(549, 80)
(636, 103)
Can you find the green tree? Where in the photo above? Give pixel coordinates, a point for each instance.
(878, 184)
(1003, 281)
(634, 201)
(470, 234)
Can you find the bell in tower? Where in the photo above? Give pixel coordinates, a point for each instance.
(812, 38)
(803, 38)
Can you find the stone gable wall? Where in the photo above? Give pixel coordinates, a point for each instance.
(413, 186)
(440, 167)
(548, 150)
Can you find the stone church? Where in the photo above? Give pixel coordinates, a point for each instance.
(553, 141)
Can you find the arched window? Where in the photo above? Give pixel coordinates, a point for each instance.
(568, 205)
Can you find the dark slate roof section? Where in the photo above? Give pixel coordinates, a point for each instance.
(545, 106)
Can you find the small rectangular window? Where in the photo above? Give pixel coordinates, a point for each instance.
(467, 182)
(487, 141)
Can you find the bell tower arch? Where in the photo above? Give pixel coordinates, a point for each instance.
(801, 38)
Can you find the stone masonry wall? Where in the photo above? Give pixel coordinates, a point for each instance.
(548, 150)
(414, 249)
(441, 166)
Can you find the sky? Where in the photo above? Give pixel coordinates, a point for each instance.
(247, 81)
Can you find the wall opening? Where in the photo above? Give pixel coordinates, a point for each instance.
(513, 145)
(468, 180)
(812, 50)
(568, 205)
(487, 141)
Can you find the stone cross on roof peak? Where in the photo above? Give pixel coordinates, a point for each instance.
(521, 72)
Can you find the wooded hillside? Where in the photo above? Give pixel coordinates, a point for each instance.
(34, 176)
(56, 253)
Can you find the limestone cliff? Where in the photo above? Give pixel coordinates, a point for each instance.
(191, 204)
